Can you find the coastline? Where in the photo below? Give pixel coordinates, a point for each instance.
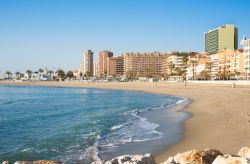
(219, 113)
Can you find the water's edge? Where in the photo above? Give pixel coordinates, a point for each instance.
(153, 116)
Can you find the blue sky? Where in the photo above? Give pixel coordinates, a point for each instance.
(54, 33)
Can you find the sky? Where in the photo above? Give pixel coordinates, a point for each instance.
(54, 33)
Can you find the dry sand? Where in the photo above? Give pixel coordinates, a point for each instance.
(220, 114)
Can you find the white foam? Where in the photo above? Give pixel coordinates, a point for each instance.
(91, 153)
(181, 101)
(135, 129)
(108, 145)
(116, 127)
(27, 150)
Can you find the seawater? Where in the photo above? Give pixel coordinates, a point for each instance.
(78, 125)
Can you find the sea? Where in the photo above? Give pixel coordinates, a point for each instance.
(80, 125)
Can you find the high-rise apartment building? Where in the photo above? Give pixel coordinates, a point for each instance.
(116, 66)
(223, 37)
(103, 61)
(87, 64)
(144, 64)
(96, 69)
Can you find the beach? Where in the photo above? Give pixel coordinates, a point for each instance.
(219, 113)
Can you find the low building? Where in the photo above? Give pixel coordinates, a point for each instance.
(227, 63)
(197, 63)
(174, 61)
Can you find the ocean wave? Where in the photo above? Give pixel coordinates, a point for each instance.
(116, 127)
(91, 153)
(83, 153)
(135, 129)
(181, 101)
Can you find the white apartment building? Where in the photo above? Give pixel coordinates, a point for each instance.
(175, 59)
(197, 69)
(215, 65)
(88, 62)
(246, 47)
(199, 65)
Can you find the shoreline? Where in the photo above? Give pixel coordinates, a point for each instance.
(220, 118)
(170, 125)
(171, 116)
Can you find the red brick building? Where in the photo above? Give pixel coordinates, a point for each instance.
(103, 61)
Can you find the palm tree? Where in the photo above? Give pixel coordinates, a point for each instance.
(29, 72)
(237, 74)
(101, 75)
(205, 74)
(8, 73)
(50, 72)
(88, 74)
(18, 75)
(70, 74)
(193, 64)
(209, 66)
(105, 73)
(40, 70)
(60, 74)
(131, 75)
(171, 66)
(148, 72)
(184, 63)
(178, 71)
(165, 76)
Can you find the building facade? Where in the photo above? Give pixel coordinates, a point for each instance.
(246, 52)
(88, 62)
(144, 64)
(96, 69)
(237, 62)
(172, 61)
(103, 61)
(116, 66)
(227, 63)
(197, 63)
(223, 37)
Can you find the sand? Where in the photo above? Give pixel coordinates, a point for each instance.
(220, 114)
